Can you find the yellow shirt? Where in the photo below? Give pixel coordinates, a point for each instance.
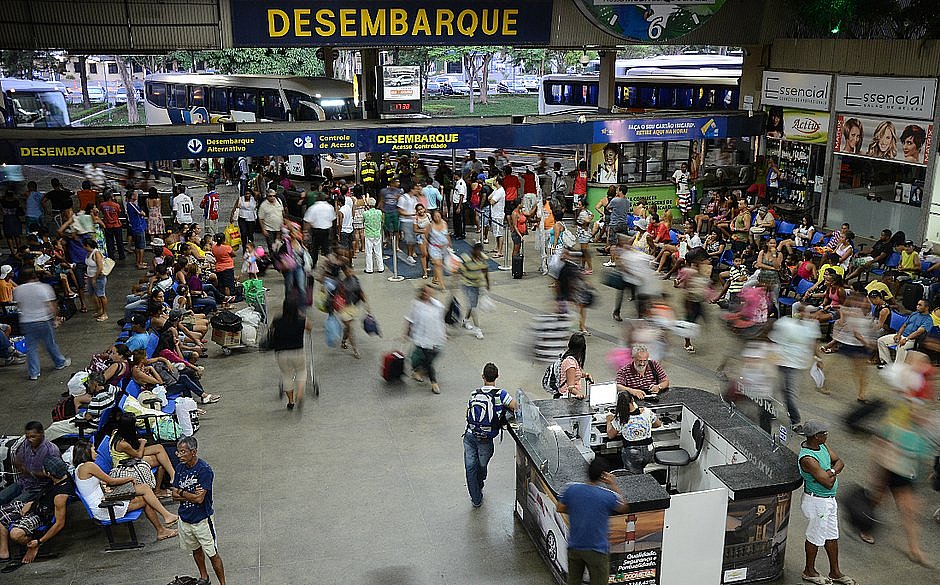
(910, 261)
(6, 290)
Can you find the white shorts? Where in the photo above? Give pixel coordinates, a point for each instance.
(823, 519)
(199, 535)
(496, 228)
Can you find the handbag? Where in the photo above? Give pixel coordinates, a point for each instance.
(137, 469)
(125, 491)
(370, 325)
(107, 265)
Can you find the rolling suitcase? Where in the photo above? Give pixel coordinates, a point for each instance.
(859, 508)
(393, 366)
(517, 267)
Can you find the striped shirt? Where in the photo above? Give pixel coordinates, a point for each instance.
(99, 403)
(735, 285)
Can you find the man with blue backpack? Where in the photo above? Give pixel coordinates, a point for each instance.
(486, 416)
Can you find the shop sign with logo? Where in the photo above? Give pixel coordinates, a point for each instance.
(798, 125)
(649, 20)
(796, 90)
(888, 139)
(356, 23)
(887, 96)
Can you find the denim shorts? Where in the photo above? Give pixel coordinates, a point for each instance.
(140, 240)
(96, 285)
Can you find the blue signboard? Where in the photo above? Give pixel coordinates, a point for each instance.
(648, 130)
(345, 23)
(205, 143)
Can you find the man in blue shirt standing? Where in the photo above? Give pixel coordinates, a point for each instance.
(33, 207)
(918, 325)
(589, 507)
(433, 196)
(192, 488)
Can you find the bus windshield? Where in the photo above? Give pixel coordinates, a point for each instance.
(44, 109)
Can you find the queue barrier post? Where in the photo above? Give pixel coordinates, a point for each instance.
(395, 277)
(506, 253)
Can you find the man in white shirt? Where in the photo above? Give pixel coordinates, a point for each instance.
(497, 206)
(183, 207)
(271, 216)
(424, 325)
(319, 218)
(407, 203)
(459, 197)
(795, 346)
(36, 303)
(346, 224)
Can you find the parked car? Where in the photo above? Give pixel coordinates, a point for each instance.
(399, 80)
(96, 95)
(531, 83)
(120, 96)
(460, 87)
(511, 86)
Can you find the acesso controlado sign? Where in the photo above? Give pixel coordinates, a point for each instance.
(292, 23)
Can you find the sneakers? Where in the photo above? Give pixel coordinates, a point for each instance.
(610, 264)
(14, 360)
(797, 428)
(412, 260)
(33, 378)
(468, 324)
(65, 364)
(478, 333)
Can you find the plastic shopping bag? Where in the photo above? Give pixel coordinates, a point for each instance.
(334, 331)
(819, 377)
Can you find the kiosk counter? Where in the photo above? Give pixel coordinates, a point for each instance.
(720, 518)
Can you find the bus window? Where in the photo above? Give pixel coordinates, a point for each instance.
(271, 106)
(624, 95)
(156, 94)
(293, 100)
(218, 100)
(334, 109)
(245, 100)
(176, 96)
(646, 97)
(197, 95)
(572, 94)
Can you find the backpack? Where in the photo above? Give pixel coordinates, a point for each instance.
(550, 377)
(485, 414)
(63, 409)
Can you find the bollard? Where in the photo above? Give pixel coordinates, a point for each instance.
(395, 277)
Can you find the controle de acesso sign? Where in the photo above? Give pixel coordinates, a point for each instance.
(352, 23)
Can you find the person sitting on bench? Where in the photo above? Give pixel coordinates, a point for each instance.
(23, 522)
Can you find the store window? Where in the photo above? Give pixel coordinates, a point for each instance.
(93, 69)
(112, 68)
(873, 195)
(653, 162)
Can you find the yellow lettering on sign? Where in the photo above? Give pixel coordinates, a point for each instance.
(373, 27)
(398, 21)
(24, 151)
(278, 23)
(380, 139)
(445, 18)
(509, 22)
(325, 18)
(467, 28)
(421, 23)
(490, 28)
(347, 22)
(302, 24)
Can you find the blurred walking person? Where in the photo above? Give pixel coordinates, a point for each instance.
(286, 338)
(425, 328)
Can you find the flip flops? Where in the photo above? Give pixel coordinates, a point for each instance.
(816, 580)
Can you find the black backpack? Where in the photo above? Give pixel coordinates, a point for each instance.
(63, 409)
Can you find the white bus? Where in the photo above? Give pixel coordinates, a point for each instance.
(32, 104)
(674, 82)
(182, 98)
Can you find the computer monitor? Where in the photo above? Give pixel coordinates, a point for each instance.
(603, 395)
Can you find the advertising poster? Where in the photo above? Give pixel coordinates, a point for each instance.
(636, 540)
(605, 163)
(909, 193)
(648, 130)
(889, 139)
(401, 89)
(798, 125)
(755, 538)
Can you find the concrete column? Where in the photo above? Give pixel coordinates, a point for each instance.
(606, 87)
(756, 58)
(367, 89)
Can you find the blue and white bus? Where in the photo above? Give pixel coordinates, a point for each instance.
(187, 98)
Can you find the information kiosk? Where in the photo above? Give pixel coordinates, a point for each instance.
(720, 518)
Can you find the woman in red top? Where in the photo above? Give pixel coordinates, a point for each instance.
(224, 264)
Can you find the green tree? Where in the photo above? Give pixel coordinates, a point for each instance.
(24, 64)
(302, 61)
(476, 64)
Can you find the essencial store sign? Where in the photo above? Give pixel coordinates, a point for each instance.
(810, 91)
(887, 96)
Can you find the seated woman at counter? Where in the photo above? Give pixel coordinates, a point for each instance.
(642, 376)
(571, 371)
(634, 425)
